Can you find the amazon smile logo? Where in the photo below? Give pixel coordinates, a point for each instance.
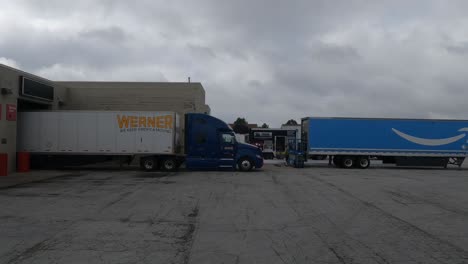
(431, 142)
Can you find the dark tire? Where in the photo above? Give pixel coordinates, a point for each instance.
(245, 164)
(149, 163)
(169, 164)
(347, 162)
(363, 162)
(299, 164)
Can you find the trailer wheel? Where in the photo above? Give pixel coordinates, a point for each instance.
(347, 162)
(245, 164)
(149, 163)
(363, 162)
(169, 164)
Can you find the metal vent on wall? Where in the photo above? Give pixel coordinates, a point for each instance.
(6, 91)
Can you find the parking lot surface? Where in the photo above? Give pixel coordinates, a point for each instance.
(276, 215)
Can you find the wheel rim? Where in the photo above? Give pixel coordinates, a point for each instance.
(348, 162)
(169, 165)
(149, 164)
(364, 162)
(245, 164)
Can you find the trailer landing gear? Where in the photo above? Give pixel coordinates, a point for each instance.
(456, 161)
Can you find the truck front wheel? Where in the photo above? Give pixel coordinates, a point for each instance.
(149, 164)
(169, 164)
(245, 164)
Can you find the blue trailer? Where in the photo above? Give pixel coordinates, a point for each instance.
(352, 142)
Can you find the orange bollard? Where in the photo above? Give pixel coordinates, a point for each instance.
(24, 161)
(3, 164)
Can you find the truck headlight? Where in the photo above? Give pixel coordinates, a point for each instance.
(259, 156)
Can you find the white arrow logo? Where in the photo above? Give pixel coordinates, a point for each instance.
(431, 142)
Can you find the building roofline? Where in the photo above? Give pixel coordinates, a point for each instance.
(65, 83)
(26, 73)
(112, 82)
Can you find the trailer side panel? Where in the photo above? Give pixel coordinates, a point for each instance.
(387, 137)
(99, 132)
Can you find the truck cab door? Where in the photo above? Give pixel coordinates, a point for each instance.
(203, 152)
(227, 152)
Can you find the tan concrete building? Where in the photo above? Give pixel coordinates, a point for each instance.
(135, 96)
(21, 91)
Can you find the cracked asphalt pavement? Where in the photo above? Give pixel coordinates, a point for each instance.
(276, 215)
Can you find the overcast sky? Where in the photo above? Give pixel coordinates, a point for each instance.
(265, 60)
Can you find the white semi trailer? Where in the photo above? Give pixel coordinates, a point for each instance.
(113, 133)
(157, 138)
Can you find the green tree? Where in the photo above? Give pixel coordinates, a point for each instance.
(265, 125)
(291, 122)
(241, 126)
(241, 121)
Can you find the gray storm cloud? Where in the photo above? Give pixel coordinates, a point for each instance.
(268, 61)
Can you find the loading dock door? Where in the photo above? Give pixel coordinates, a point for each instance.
(280, 143)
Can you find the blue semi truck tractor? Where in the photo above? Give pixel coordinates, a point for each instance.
(354, 142)
(159, 140)
(211, 144)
